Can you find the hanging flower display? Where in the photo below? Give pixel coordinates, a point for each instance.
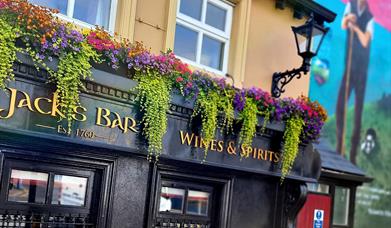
(35, 31)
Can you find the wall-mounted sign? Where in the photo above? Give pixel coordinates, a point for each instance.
(318, 218)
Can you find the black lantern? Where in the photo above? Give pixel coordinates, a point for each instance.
(308, 38)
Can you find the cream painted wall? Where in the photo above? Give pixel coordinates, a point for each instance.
(271, 48)
(262, 40)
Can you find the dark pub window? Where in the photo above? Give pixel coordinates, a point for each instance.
(189, 200)
(39, 194)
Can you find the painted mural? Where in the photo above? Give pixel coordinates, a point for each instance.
(351, 77)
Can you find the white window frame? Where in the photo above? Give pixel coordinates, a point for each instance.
(70, 10)
(204, 29)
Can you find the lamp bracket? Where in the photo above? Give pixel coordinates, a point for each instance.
(281, 79)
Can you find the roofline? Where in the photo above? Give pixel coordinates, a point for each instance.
(304, 8)
(360, 179)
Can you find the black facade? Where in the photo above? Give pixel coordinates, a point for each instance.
(117, 186)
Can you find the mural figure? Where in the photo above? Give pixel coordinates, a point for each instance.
(358, 22)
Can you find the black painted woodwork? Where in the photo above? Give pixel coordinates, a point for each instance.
(248, 192)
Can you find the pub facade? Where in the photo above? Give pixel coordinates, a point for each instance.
(93, 166)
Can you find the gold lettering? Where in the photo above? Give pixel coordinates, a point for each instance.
(25, 102)
(255, 153)
(55, 106)
(11, 110)
(105, 116)
(38, 107)
(187, 138)
(204, 143)
(271, 155)
(118, 123)
(132, 125)
(220, 146)
(213, 145)
(231, 147)
(79, 114)
(277, 157)
(260, 155)
(196, 145)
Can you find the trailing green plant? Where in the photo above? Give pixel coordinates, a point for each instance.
(72, 68)
(293, 130)
(248, 117)
(226, 108)
(154, 97)
(207, 107)
(266, 120)
(8, 49)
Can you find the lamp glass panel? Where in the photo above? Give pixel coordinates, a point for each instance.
(317, 36)
(302, 42)
(191, 8)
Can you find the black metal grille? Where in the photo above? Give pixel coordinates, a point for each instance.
(32, 220)
(180, 223)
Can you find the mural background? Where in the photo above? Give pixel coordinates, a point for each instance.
(373, 201)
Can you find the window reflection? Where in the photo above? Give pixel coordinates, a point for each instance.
(191, 8)
(341, 206)
(171, 199)
(95, 12)
(69, 190)
(27, 186)
(185, 42)
(212, 53)
(215, 16)
(197, 202)
(54, 4)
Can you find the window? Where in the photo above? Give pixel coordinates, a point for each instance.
(341, 206)
(84, 12)
(184, 198)
(319, 188)
(202, 33)
(27, 186)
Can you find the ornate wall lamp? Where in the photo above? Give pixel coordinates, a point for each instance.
(308, 38)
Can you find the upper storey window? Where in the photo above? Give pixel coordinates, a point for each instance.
(202, 34)
(84, 12)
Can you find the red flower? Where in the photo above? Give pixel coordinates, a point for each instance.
(179, 79)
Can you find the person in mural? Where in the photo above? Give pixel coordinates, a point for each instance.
(359, 24)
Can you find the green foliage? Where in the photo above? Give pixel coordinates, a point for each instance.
(207, 107)
(72, 68)
(8, 51)
(226, 108)
(249, 122)
(293, 130)
(154, 97)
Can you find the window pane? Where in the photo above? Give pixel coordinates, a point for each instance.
(215, 16)
(54, 4)
(94, 12)
(68, 190)
(191, 8)
(185, 42)
(27, 186)
(316, 187)
(212, 53)
(171, 200)
(197, 203)
(341, 206)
